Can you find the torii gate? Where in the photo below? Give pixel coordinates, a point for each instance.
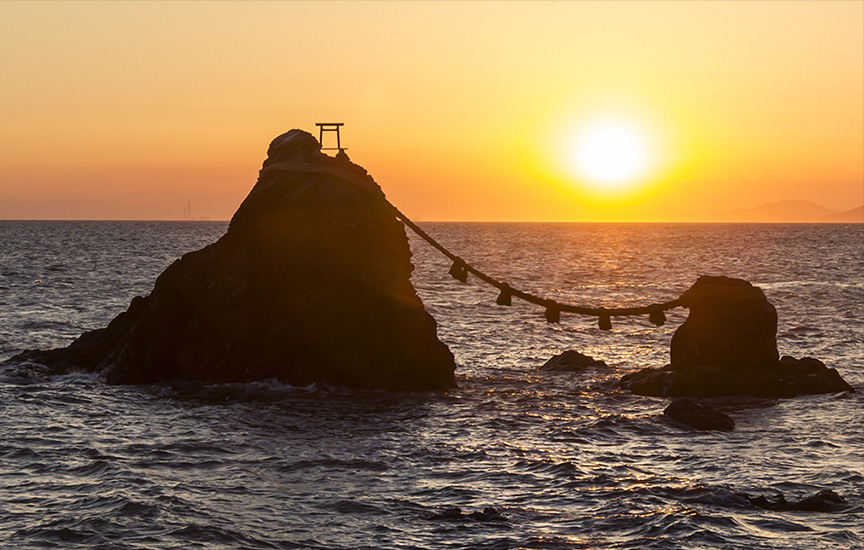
(329, 127)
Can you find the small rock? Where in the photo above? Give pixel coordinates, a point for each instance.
(823, 501)
(779, 502)
(571, 360)
(488, 514)
(699, 415)
(455, 513)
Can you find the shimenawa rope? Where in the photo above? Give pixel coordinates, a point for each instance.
(460, 270)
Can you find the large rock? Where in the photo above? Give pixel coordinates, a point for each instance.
(310, 283)
(728, 346)
(731, 325)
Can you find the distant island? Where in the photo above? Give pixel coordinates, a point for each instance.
(791, 211)
(856, 215)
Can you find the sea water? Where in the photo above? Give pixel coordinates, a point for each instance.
(514, 458)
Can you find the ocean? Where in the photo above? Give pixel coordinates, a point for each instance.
(514, 458)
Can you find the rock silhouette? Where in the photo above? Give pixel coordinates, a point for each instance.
(728, 346)
(731, 325)
(571, 360)
(823, 501)
(309, 284)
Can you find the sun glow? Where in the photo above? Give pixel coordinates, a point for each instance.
(609, 155)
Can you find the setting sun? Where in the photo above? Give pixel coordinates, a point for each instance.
(609, 155)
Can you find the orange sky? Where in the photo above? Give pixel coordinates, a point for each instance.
(461, 111)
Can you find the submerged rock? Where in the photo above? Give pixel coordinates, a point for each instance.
(310, 283)
(571, 360)
(728, 346)
(488, 514)
(699, 415)
(823, 501)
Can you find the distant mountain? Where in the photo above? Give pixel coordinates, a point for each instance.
(791, 211)
(856, 215)
(779, 212)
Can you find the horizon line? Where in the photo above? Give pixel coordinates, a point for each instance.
(706, 222)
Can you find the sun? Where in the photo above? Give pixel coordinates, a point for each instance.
(609, 154)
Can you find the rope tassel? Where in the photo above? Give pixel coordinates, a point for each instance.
(657, 317)
(505, 298)
(553, 314)
(458, 271)
(605, 321)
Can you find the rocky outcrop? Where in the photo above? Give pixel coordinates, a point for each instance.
(786, 378)
(731, 325)
(699, 415)
(571, 361)
(728, 346)
(309, 284)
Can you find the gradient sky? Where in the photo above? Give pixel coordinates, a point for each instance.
(461, 111)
